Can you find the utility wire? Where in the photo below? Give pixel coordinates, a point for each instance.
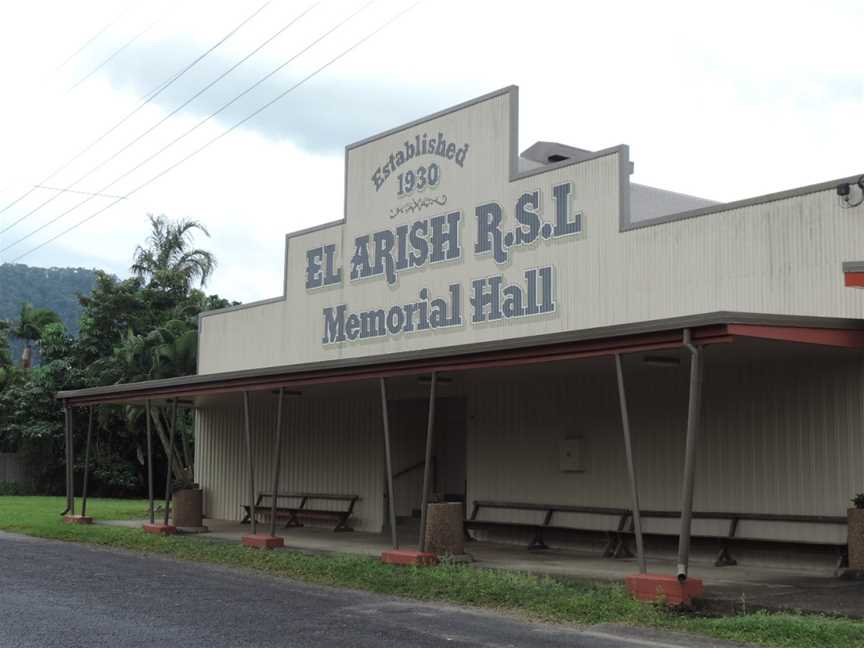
(221, 135)
(111, 56)
(147, 99)
(185, 133)
(83, 193)
(90, 41)
(176, 110)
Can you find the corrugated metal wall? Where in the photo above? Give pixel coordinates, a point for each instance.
(12, 468)
(328, 447)
(778, 437)
(408, 421)
(408, 424)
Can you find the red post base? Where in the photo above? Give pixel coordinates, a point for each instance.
(653, 587)
(263, 541)
(408, 557)
(77, 519)
(160, 529)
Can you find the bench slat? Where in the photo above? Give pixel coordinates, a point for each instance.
(321, 496)
(340, 515)
(616, 546)
(560, 508)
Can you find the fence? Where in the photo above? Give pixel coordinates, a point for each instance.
(12, 468)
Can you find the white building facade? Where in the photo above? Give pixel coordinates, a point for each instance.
(517, 280)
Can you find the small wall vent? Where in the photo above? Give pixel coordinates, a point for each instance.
(571, 455)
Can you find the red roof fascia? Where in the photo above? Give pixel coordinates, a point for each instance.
(846, 338)
(465, 362)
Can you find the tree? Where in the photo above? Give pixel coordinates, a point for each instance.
(29, 328)
(7, 369)
(167, 261)
(5, 356)
(141, 328)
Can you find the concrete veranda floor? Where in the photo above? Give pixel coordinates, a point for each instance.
(809, 587)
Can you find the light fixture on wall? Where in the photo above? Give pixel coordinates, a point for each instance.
(845, 194)
(441, 380)
(661, 361)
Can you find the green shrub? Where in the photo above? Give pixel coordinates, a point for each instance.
(15, 488)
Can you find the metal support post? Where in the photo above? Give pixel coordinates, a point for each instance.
(86, 463)
(151, 509)
(391, 500)
(430, 433)
(693, 412)
(248, 432)
(278, 464)
(67, 435)
(170, 460)
(70, 462)
(631, 468)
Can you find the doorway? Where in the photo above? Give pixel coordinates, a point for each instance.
(408, 422)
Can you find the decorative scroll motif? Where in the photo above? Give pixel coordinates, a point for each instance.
(418, 204)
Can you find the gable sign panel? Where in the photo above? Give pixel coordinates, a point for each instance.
(444, 242)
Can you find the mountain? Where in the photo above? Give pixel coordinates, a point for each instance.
(54, 288)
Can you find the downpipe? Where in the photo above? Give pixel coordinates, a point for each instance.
(693, 410)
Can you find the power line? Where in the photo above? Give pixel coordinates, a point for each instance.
(90, 41)
(147, 99)
(221, 135)
(83, 193)
(111, 56)
(185, 133)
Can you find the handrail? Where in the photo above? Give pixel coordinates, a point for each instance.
(415, 466)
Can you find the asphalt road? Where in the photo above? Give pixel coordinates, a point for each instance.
(55, 594)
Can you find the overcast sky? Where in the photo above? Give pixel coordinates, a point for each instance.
(721, 100)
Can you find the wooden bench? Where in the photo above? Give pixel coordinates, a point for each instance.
(616, 547)
(293, 513)
(724, 557)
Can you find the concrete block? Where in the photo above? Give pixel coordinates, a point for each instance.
(263, 541)
(77, 519)
(160, 529)
(409, 557)
(655, 587)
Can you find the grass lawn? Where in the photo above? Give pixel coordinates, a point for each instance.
(533, 597)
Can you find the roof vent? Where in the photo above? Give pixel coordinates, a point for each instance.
(555, 157)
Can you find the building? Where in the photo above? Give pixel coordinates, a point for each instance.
(504, 292)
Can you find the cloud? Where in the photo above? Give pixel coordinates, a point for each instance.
(723, 101)
(321, 116)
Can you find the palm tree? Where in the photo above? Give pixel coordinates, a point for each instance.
(7, 370)
(167, 259)
(5, 356)
(29, 328)
(165, 352)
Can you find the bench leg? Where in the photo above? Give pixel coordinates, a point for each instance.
(467, 534)
(621, 548)
(342, 525)
(724, 558)
(245, 519)
(609, 549)
(842, 558)
(537, 541)
(293, 521)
